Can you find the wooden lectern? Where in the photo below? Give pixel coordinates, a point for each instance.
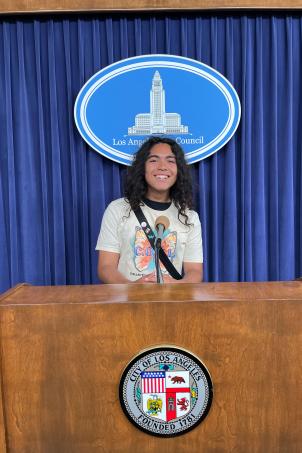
(63, 350)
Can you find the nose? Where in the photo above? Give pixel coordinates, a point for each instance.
(162, 164)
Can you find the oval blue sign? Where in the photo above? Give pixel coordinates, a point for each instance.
(123, 104)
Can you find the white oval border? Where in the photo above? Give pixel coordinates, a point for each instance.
(222, 138)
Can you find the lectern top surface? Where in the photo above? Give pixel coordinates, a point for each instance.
(24, 294)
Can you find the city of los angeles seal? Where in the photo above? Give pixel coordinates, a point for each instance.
(166, 391)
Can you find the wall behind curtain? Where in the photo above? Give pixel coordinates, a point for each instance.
(54, 189)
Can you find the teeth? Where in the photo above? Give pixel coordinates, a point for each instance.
(161, 177)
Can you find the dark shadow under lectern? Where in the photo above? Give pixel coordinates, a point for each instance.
(63, 350)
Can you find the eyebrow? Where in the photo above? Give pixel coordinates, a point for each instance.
(169, 156)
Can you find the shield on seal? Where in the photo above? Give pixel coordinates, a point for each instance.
(177, 394)
(153, 388)
(166, 395)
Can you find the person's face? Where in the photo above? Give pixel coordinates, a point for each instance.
(160, 172)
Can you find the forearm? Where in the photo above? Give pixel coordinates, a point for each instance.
(109, 274)
(191, 277)
(193, 273)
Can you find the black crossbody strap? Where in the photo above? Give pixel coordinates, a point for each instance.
(151, 238)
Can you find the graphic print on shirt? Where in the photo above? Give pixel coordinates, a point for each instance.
(144, 253)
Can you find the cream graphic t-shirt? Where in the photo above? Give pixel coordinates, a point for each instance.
(121, 233)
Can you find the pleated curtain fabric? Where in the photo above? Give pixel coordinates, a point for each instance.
(54, 188)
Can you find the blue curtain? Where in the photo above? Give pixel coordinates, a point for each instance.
(54, 189)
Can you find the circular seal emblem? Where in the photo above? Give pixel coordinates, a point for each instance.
(166, 391)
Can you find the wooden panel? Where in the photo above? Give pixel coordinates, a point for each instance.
(3, 448)
(13, 6)
(64, 349)
(2, 424)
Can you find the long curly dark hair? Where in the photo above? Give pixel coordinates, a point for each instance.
(181, 193)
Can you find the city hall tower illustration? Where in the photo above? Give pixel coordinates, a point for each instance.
(157, 121)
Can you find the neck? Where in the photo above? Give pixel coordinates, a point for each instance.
(157, 196)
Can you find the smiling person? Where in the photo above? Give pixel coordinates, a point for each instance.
(159, 182)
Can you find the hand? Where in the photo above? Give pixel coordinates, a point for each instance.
(168, 279)
(149, 278)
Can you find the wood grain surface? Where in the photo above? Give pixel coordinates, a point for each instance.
(64, 348)
(3, 448)
(28, 6)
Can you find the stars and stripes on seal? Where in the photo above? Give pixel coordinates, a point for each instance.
(153, 381)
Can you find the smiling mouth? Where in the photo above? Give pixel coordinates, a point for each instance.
(161, 177)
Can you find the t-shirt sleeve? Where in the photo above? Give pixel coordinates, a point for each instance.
(193, 250)
(108, 239)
